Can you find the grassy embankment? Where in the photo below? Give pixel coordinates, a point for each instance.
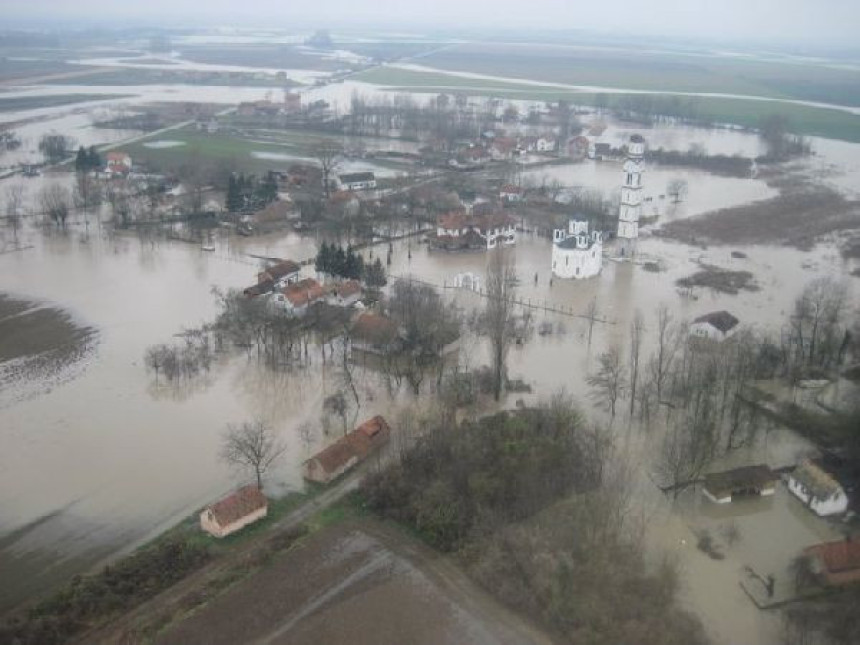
(802, 119)
(234, 148)
(17, 103)
(90, 601)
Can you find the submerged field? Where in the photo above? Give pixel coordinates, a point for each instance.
(802, 119)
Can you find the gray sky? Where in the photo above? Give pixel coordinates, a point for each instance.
(803, 21)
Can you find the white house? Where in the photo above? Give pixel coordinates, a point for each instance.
(459, 230)
(576, 253)
(545, 144)
(357, 181)
(717, 325)
(246, 506)
(817, 489)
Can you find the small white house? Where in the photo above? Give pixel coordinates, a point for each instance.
(717, 326)
(817, 489)
(357, 181)
(545, 144)
(576, 253)
(246, 506)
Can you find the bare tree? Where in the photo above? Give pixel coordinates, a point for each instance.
(337, 404)
(499, 314)
(608, 383)
(88, 192)
(817, 327)
(55, 201)
(14, 202)
(677, 188)
(667, 346)
(637, 327)
(591, 313)
(328, 154)
(252, 445)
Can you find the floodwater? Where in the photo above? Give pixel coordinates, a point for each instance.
(706, 192)
(95, 465)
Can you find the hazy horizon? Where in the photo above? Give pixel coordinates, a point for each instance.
(793, 23)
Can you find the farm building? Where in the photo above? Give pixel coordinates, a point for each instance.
(817, 489)
(717, 325)
(234, 512)
(835, 563)
(281, 274)
(747, 481)
(348, 451)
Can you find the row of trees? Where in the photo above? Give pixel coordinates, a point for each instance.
(333, 260)
(248, 193)
(87, 160)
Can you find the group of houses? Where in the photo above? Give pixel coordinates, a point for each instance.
(291, 104)
(289, 293)
(248, 504)
(834, 563)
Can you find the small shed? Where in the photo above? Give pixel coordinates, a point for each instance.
(344, 454)
(747, 481)
(835, 563)
(717, 325)
(817, 489)
(234, 512)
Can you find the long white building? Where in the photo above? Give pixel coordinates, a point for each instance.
(576, 253)
(631, 197)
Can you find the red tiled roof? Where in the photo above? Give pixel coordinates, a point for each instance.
(374, 328)
(281, 269)
(510, 188)
(243, 502)
(348, 288)
(117, 156)
(453, 220)
(357, 444)
(840, 556)
(303, 292)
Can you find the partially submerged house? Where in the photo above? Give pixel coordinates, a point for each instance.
(510, 193)
(348, 451)
(246, 506)
(817, 489)
(835, 563)
(117, 163)
(281, 274)
(295, 298)
(747, 481)
(717, 325)
(373, 334)
(357, 181)
(458, 230)
(345, 294)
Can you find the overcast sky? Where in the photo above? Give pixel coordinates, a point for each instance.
(804, 21)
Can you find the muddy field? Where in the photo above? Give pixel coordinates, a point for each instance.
(40, 345)
(355, 583)
(796, 217)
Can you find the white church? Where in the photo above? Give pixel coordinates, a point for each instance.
(631, 198)
(576, 253)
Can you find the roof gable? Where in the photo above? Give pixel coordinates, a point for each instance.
(232, 508)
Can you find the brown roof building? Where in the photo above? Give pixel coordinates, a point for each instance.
(748, 481)
(836, 563)
(348, 451)
(283, 272)
(245, 506)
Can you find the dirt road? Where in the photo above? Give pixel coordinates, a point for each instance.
(359, 582)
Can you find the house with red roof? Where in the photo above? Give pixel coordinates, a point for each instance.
(246, 506)
(117, 163)
(348, 451)
(345, 294)
(835, 563)
(295, 298)
(510, 193)
(281, 273)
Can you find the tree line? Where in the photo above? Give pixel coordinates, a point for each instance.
(334, 260)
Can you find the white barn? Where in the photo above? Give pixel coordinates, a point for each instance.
(576, 253)
(817, 489)
(717, 326)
